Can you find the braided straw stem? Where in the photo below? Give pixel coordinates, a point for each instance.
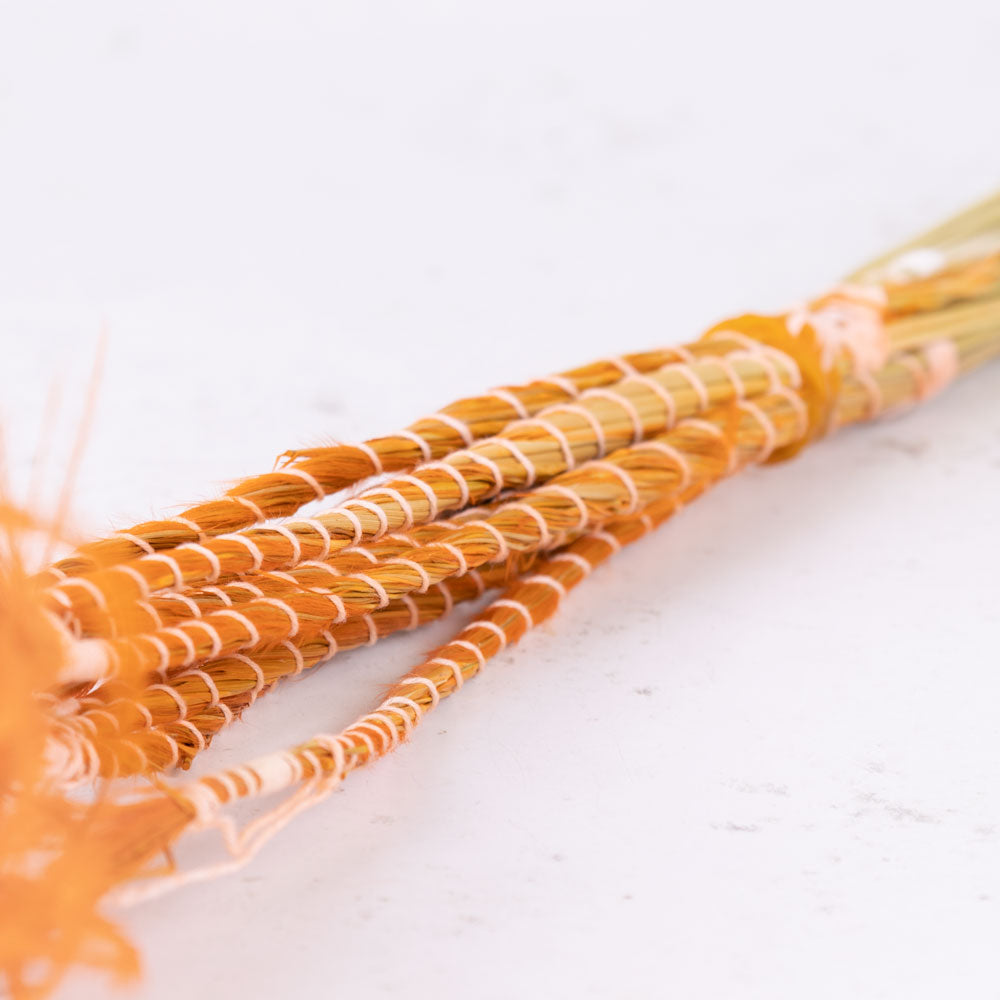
(321, 763)
(222, 643)
(596, 491)
(118, 732)
(315, 473)
(583, 497)
(574, 501)
(168, 609)
(527, 453)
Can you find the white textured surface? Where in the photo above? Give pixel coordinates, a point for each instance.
(775, 775)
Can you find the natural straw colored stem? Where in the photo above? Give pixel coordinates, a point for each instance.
(978, 320)
(949, 260)
(527, 453)
(315, 473)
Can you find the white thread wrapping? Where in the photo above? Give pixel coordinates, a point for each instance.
(248, 626)
(460, 427)
(449, 470)
(315, 524)
(608, 540)
(472, 648)
(91, 588)
(625, 403)
(355, 521)
(409, 518)
(377, 511)
(427, 683)
(192, 607)
(716, 432)
(556, 432)
(455, 552)
(508, 602)
(455, 669)
(425, 580)
(427, 490)
(487, 463)
(185, 640)
(695, 381)
(545, 535)
(574, 557)
(252, 548)
(140, 543)
(508, 397)
(308, 479)
(213, 636)
(208, 555)
(164, 653)
(292, 540)
(567, 386)
(492, 627)
(625, 479)
(370, 454)
(425, 448)
(380, 591)
(548, 581)
(766, 425)
(140, 581)
(530, 472)
(256, 668)
(196, 528)
(503, 548)
(676, 456)
(300, 662)
(293, 618)
(259, 515)
(218, 591)
(621, 364)
(661, 392)
(411, 606)
(575, 498)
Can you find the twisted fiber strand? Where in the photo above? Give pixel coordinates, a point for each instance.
(166, 610)
(627, 480)
(326, 759)
(321, 763)
(314, 473)
(407, 612)
(581, 497)
(118, 733)
(166, 714)
(527, 453)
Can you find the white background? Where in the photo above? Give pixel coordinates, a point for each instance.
(774, 772)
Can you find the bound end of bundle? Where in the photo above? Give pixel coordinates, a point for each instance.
(820, 383)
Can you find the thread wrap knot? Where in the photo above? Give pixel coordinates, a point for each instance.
(841, 332)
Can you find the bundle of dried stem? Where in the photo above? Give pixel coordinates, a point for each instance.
(310, 474)
(151, 641)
